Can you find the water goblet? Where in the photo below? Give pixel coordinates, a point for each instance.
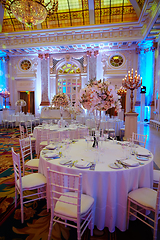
(123, 145)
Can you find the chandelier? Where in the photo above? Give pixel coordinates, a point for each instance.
(30, 12)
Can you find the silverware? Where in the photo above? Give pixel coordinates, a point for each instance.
(125, 166)
(70, 161)
(117, 165)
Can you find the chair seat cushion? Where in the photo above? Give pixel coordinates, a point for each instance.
(156, 175)
(33, 139)
(44, 143)
(32, 163)
(144, 196)
(32, 180)
(71, 210)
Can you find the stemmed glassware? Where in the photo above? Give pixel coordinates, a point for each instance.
(113, 137)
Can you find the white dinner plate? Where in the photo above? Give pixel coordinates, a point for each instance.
(51, 146)
(115, 166)
(142, 158)
(44, 151)
(82, 164)
(51, 155)
(142, 152)
(130, 163)
(65, 162)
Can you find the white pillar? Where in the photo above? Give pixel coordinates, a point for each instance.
(130, 124)
(99, 71)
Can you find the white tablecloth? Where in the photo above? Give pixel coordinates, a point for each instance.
(73, 131)
(115, 124)
(109, 187)
(54, 114)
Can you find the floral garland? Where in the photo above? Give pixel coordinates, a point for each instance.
(20, 103)
(60, 100)
(98, 95)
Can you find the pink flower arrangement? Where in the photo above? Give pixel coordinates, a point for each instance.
(98, 95)
(60, 100)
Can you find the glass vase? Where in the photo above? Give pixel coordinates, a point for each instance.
(97, 118)
(61, 121)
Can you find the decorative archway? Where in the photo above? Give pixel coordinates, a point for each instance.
(68, 78)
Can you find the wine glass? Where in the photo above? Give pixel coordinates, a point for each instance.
(123, 145)
(113, 137)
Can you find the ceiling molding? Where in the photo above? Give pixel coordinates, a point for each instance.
(107, 36)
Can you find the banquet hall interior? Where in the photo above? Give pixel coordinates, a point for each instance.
(65, 45)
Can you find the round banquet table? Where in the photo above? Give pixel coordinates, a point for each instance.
(108, 186)
(73, 131)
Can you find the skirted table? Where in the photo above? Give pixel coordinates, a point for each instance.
(108, 184)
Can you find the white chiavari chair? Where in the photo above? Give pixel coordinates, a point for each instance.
(31, 182)
(29, 133)
(156, 177)
(11, 121)
(68, 202)
(22, 133)
(27, 158)
(139, 139)
(142, 200)
(43, 139)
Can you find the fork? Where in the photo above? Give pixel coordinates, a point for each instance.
(118, 161)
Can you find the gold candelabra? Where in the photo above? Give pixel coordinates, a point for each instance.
(121, 91)
(5, 94)
(132, 82)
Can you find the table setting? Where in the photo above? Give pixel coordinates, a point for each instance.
(109, 173)
(120, 155)
(110, 169)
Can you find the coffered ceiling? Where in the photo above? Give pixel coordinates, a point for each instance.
(80, 25)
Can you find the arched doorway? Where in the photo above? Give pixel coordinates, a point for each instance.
(69, 80)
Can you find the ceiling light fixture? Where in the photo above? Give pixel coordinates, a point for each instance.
(30, 12)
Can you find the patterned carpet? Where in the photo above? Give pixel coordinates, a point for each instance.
(36, 224)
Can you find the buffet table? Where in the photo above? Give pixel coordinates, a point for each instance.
(54, 114)
(109, 184)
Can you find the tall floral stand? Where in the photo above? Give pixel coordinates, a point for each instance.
(130, 124)
(61, 122)
(97, 118)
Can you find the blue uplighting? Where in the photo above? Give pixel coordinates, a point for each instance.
(146, 72)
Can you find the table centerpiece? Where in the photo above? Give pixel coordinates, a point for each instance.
(20, 103)
(96, 97)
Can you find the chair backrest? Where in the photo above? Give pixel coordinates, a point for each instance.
(44, 135)
(82, 133)
(26, 150)
(21, 129)
(158, 198)
(28, 126)
(17, 167)
(139, 139)
(62, 185)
